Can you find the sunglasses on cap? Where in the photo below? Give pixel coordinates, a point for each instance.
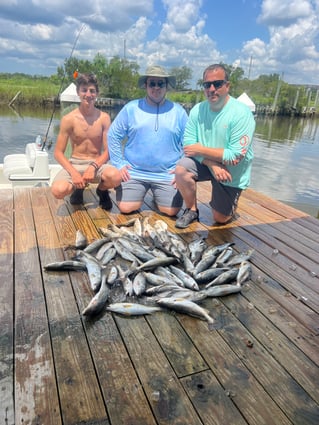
(217, 84)
(159, 84)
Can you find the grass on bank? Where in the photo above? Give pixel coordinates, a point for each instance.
(32, 90)
(39, 90)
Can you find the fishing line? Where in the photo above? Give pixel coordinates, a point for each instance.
(61, 85)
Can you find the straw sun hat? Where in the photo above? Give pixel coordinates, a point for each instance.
(159, 72)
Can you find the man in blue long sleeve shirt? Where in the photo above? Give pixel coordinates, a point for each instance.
(145, 141)
(217, 147)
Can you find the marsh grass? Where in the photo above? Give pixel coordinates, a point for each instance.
(32, 90)
(39, 90)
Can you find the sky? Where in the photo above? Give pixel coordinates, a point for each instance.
(263, 37)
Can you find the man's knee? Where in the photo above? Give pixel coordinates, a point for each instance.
(129, 207)
(111, 177)
(180, 170)
(221, 218)
(61, 189)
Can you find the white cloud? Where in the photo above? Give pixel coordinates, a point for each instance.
(275, 12)
(181, 14)
(39, 31)
(40, 34)
(182, 40)
(293, 40)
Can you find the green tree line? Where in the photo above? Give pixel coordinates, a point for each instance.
(118, 79)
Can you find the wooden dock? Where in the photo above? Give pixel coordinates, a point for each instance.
(57, 367)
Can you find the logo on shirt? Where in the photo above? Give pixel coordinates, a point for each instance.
(244, 142)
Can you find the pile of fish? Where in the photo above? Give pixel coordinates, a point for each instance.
(138, 268)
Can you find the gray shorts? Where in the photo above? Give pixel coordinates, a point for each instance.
(80, 165)
(164, 193)
(224, 198)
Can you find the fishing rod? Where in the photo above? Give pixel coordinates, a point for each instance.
(61, 86)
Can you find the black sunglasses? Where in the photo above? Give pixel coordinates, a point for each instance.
(217, 84)
(159, 84)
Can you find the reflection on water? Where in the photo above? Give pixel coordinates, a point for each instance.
(286, 151)
(286, 161)
(18, 127)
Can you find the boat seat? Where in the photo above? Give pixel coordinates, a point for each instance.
(32, 165)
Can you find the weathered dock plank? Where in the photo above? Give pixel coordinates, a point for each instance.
(239, 384)
(78, 386)
(178, 347)
(299, 366)
(36, 398)
(163, 389)
(260, 366)
(118, 381)
(7, 308)
(213, 403)
(307, 372)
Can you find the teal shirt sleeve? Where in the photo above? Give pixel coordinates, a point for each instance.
(191, 133)
(239, 142)
(240, 132)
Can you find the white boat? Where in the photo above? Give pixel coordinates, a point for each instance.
(29, 169)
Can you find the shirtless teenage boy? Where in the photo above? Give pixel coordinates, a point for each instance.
(86, 127)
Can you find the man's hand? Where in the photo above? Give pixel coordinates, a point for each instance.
(220, 172)
(193, 150)
(173, 181)
(77, 180)
(125, 175)
(89, 174)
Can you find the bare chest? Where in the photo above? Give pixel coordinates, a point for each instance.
(87, 127)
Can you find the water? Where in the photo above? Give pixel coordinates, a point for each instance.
(286, 152)
(286, 161)
(19, 128)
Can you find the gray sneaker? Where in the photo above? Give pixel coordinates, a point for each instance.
(187, 218)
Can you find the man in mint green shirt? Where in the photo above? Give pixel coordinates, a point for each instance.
(217, 147)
